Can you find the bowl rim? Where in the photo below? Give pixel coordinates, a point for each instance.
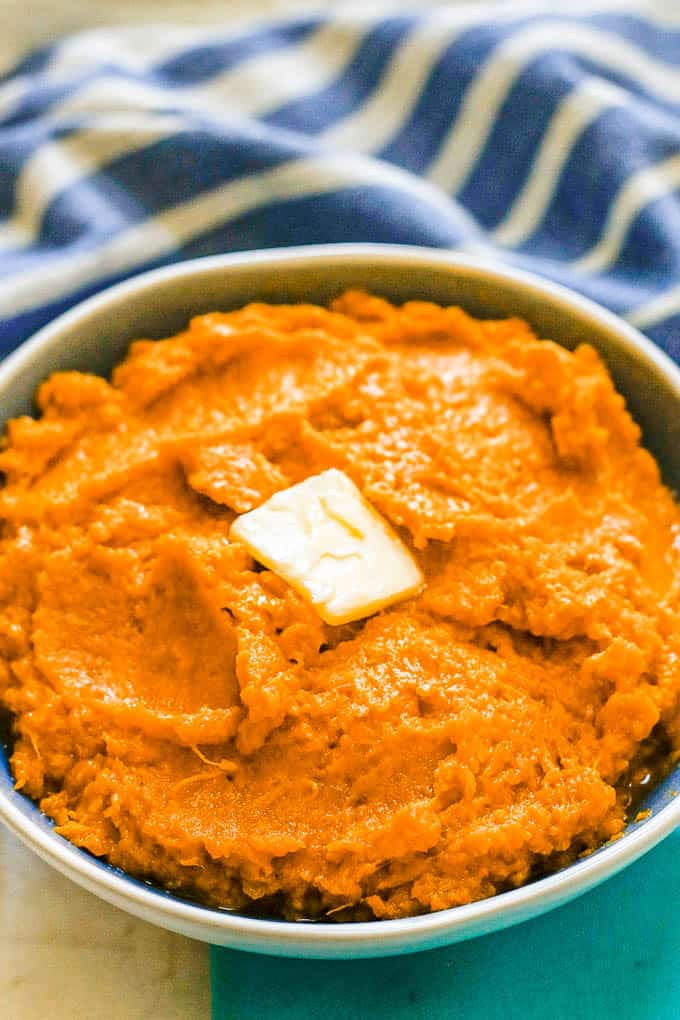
(323, 939)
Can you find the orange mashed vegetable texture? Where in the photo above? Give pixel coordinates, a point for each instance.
(185, 714)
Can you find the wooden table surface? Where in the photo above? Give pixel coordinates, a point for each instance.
(28, 23)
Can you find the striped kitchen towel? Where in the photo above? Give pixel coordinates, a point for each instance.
(551, 141)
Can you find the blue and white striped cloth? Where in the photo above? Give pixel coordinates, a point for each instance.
(549, 141)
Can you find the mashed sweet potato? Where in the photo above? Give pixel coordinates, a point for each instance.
(185, 714)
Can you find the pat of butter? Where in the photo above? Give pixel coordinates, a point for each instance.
(329, 544)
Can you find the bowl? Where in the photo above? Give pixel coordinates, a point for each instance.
(95, 335)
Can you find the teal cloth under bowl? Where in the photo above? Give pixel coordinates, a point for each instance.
(610, 955)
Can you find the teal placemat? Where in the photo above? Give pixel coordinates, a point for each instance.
(613, 953)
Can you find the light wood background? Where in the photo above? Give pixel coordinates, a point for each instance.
(28, 23)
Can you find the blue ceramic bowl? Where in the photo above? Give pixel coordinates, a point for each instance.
(95, 335)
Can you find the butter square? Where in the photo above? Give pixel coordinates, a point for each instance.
(331, 546)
